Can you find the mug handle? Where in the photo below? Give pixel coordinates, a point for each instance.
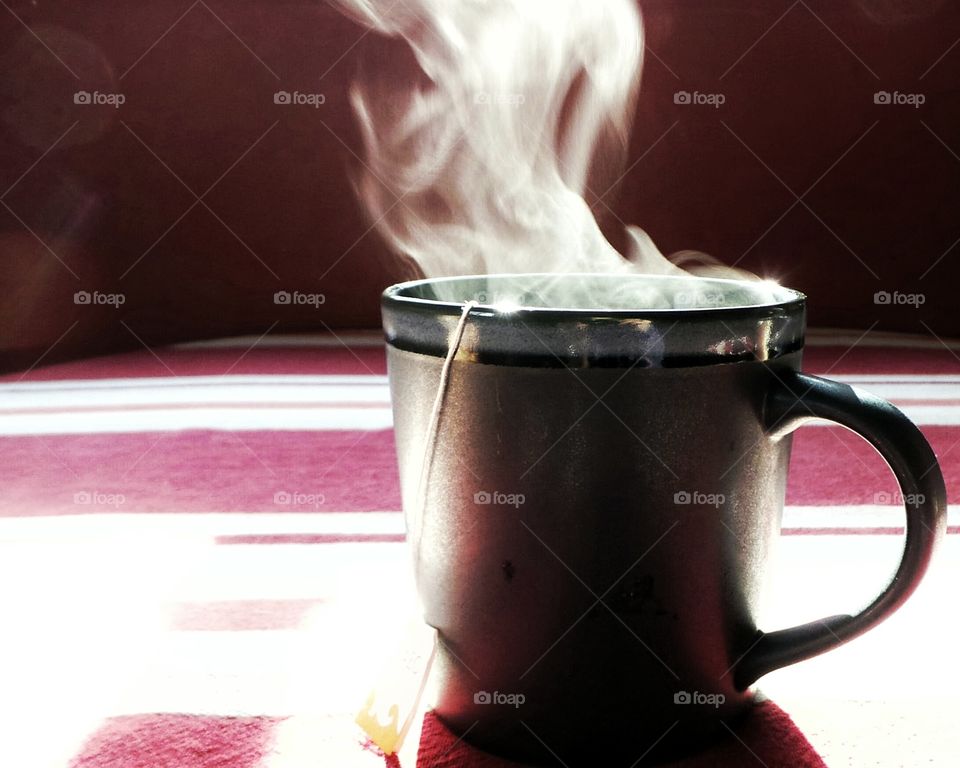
(795, 398)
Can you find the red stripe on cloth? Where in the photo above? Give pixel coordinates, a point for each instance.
(831, 465)
(177, 741)
(341, 471)
(312, 538)
(163, 362)
(842, 360)
(199, 471)
(241, 615)
(343, 405)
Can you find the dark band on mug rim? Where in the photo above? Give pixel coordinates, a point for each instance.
(418, 319)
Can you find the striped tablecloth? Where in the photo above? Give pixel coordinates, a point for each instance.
(203, 565)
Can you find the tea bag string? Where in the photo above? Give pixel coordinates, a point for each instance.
(430, 444)
(384, 697)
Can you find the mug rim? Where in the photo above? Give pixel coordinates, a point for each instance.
(792, 299)
(544, 336)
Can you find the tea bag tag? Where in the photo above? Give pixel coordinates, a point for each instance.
(393, 703)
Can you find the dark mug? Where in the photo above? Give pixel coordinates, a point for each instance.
(592, 486)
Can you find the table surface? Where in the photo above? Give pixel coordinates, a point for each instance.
(123, 610)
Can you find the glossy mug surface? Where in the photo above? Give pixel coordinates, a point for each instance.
(603, 492)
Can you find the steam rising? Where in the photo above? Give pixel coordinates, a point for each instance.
(482, 167)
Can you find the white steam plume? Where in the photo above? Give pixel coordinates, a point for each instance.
(490, 154)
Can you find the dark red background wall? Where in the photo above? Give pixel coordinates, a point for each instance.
(98, 198)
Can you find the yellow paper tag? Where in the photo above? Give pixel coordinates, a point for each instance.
(390, 708)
